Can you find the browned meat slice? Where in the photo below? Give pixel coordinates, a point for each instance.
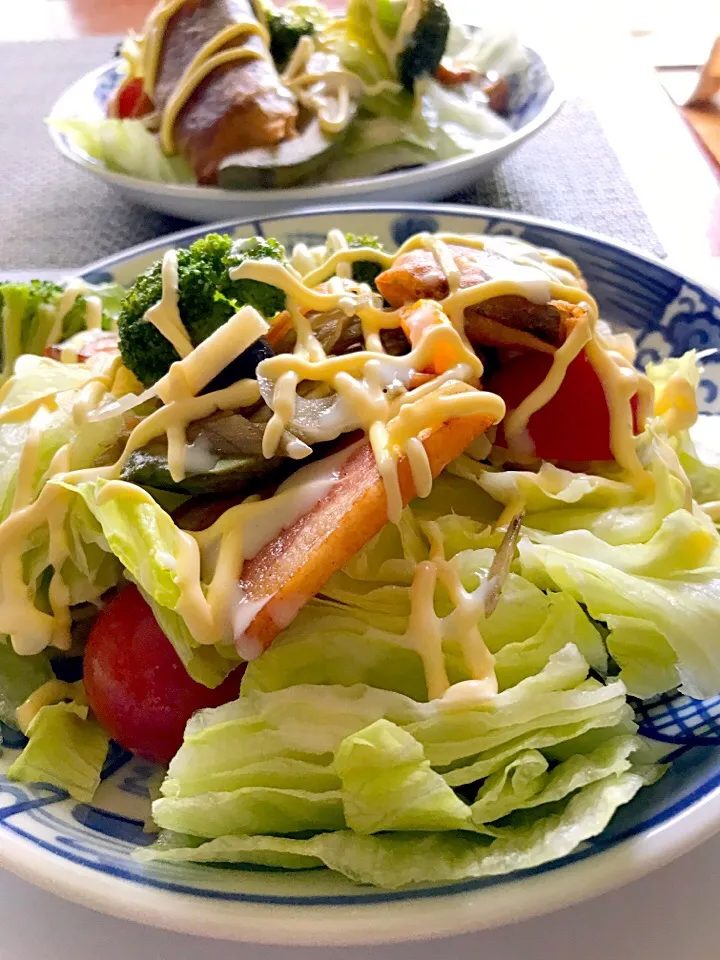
(495, 87)
(417, 275)
(238, 106)
(498, 321)
(504, 321)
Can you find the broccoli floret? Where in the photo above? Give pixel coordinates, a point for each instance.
(286, 28)
(266, 299)
(207, 298)
(426, 46)
(364, 271)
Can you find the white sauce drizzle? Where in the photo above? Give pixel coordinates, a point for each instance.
(426, 632)
(374, 392)
(165, 314)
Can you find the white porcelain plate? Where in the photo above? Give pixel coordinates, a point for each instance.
(85, 852)
(533, 103)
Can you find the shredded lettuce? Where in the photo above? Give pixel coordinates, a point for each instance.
(388, 784)
(394, 860)
(699, 455)
(693, 435)
(146, 541)
(681, 609)
(65, 748)
(19, 677)
(394, 128)
(126, 146)
(311, 757)
(90, 569)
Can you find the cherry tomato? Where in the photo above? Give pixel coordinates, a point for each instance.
(575, 424)
(130, 100)
(137, 686)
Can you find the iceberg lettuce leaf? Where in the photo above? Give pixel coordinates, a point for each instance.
(66, 748)
(395, 860)
(125, 146)
(683, 610)
(19, 677)
(388, 784)
(527, 782)
(147, 543)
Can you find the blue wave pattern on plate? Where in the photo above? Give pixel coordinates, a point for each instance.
(675, 718)
(667, 315)
(529, 92)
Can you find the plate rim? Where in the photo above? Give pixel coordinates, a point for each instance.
(307, 193)
(399, 207)
(464, 911)
(453, 914)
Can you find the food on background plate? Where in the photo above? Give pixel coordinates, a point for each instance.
(242, 95)
(373, 548)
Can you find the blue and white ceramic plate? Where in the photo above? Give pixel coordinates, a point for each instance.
(85, 852)
(533, 104)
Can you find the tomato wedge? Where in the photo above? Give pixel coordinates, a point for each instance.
(136, 684)
(575, 425)
(130, 100)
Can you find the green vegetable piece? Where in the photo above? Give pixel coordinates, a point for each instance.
(266, 299)
(388, 784)
(28, 318)
(65, 748)
(425, 49)
(286, 28)
(365, 271)
(149, 468)
(207, 298)
(19, 677)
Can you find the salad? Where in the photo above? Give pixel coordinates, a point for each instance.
(374, 551)
(239, 94)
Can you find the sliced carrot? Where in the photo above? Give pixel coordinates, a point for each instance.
(280, 326)
(293, 567)
(451, 76)
(418, 318)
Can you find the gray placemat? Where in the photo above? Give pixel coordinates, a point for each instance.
(52, 215)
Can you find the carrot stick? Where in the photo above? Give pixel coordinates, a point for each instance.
(293, 567)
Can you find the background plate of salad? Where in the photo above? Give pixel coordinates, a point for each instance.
(392, 101)
(595, 762)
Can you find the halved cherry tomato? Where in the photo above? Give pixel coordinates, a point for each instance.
(137, 686)
(130, 100)
(575, 424)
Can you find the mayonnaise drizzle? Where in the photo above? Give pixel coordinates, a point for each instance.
(165, 314)
(517, 421)
(361, 379)
(392, 47)
(373, 391)
(426, 632)
(325, 87)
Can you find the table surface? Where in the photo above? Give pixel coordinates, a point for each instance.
(671, 915)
